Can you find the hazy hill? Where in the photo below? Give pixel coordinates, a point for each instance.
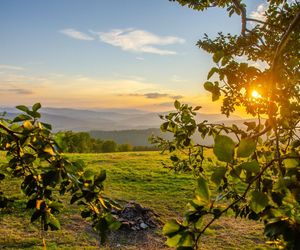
(106, 119)
(121, 125)
(134, 137)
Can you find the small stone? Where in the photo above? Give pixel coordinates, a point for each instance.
(143, 225)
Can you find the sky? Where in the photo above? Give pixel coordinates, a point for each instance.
(108, 54)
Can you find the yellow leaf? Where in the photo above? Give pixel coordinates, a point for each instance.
(49, 150)
(102, 202)
(38, 204)
(27, 125)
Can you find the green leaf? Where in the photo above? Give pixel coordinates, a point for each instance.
(259, 201)
(216, 94)
(186, 240)
(217, 56)
(21, 118)
(197, 108)
(295, 144)
(199, 223)
(54, 222)
(251, 166)
(177, 104)
(47, 126)
(174, 240)
(98, 179)
(88, 174)
(291, 163)
(224, 148)
(34, 114)
(211, 72)
(218, 175)
(56, 206)
(246, 147)
(23, 108)
(225, 60)
(209, 86)
(164, 126)
(202, 192)
(36, 107)
(171, 227)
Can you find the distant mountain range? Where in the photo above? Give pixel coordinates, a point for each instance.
(122, 125)
(106, 119)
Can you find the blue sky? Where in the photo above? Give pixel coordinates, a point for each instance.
(100, 54)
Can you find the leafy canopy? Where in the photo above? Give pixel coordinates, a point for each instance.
(34, 157)
(256, 170)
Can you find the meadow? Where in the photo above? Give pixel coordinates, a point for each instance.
(132, 176)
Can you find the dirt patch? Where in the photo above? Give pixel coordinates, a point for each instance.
(140, 229)
(135, 217)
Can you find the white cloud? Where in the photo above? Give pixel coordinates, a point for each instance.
(10, 67)
(259, 13)
(77, 34)
(139, 41)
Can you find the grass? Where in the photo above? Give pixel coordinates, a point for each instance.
(137, 176)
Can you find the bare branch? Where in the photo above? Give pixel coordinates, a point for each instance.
(242, 9)
(284, 39)
(255, 20)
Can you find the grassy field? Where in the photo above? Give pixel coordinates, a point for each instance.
(134, 176)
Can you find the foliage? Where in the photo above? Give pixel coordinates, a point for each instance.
(264, 156)
(109, 146)
(82, 142)
(77, 142)
(126, 147)
(34, 157)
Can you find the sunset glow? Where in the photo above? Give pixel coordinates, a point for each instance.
(255, 94)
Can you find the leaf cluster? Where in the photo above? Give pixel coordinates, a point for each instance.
(34, 156)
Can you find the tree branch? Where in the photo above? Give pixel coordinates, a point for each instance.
(255, 20)
(284, 39)
(242, 9)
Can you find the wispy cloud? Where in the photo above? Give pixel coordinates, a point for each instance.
(19, 91)
(139, 41)
(155, 95)
(165, 104)
(259, 13)
(8, 90)
(176, 97)
(77, 34)
(10, 67)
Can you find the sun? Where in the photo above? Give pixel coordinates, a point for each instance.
(255, 94)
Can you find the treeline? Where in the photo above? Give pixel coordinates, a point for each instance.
(82, 142)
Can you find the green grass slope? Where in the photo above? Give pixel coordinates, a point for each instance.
(136, 176)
